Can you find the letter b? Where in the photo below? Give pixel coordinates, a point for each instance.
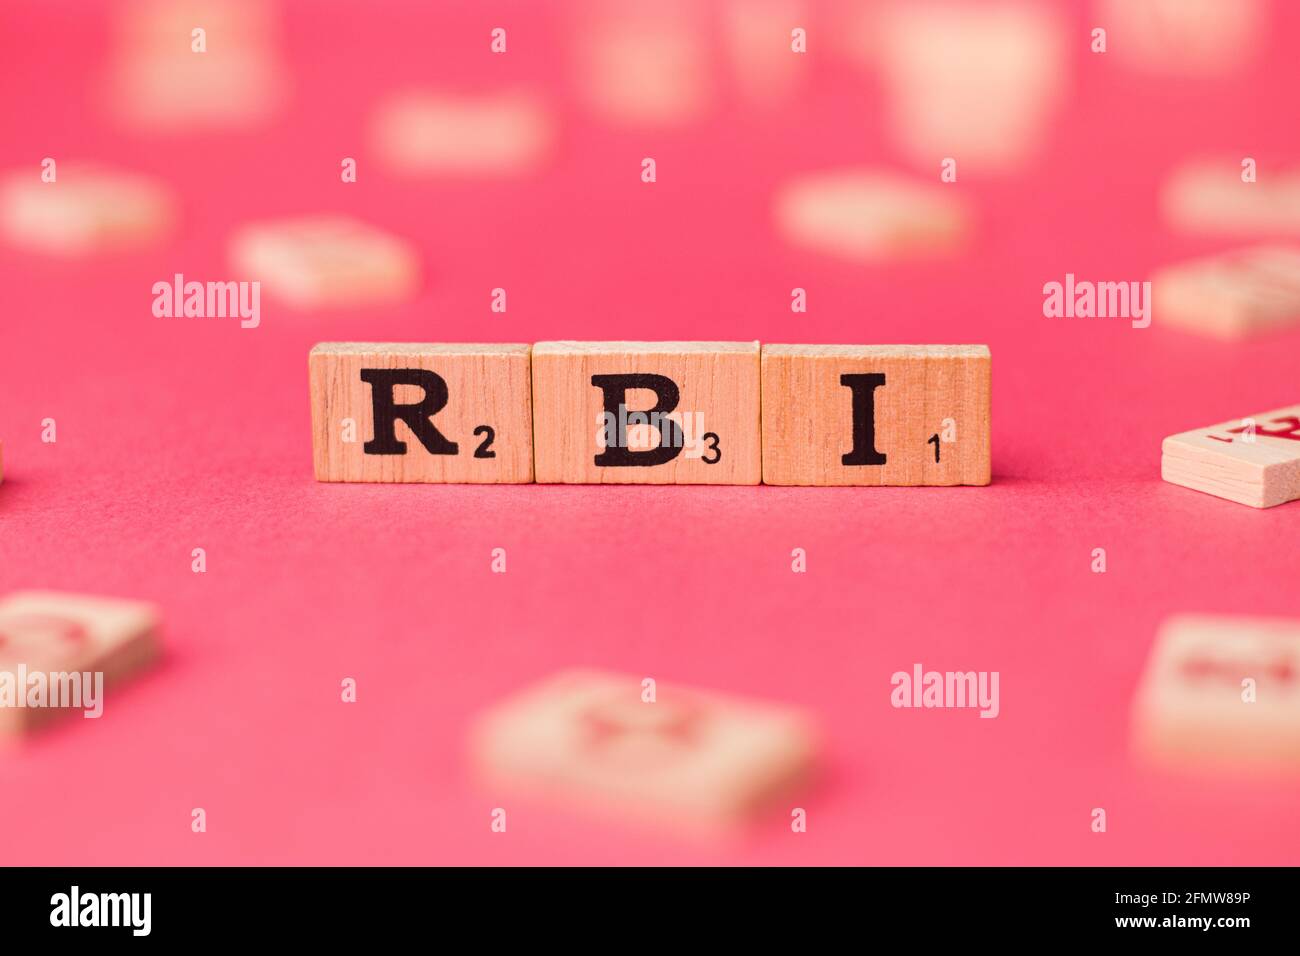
(615, 398)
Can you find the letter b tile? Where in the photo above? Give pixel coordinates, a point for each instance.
(647, 412)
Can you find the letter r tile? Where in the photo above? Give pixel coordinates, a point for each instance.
(647, 412)
(421, 412)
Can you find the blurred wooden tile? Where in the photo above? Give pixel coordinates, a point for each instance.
(319, 262)
(430, 133)
(643, 63)
(1232, 295)
(1254, 460)
(1209, 197)
(1182, 37)
(52, 632)
(696, 760)
(421, 413)
(979, 83)
(87, 209)
(876, 414)
(646, 412)
(757, 36)
(157, 80)
(1221, 691)
(869, 214)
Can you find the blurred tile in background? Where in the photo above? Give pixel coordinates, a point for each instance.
(493, 134)
(703, 763)
(1182, 36)
(1221, 692)
(1230, 295)
(975, 82)
(52, 633)
(87, 208)
(871, 214)
(326, 261)
(641, 63)
(163, 76)
(1210, 197)
(757, 36)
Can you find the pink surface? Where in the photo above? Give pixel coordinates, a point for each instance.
(176, 434)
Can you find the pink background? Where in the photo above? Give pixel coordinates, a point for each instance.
(175, 434)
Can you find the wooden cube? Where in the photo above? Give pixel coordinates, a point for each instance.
(86, 209)
(1209, 197)
(157, 81)
(326, 262)
(429, 133)
(876, 415)
(870, 215)
(646, 412)
(696, 760)
(1253, 460)
(49, 632)
(1233, 295)
(430, 413)
(1183, 37)
(644, 63)
(1222, 691)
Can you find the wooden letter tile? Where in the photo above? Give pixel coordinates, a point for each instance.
(49, 632)
(647, 412)
(433, 413)
(871, 215)
(1233, 295)
(1222, 691)
(1209, 197)
(689, 758)
(1253, 460)
(876, 415)
(86, 209)
(499, 134)
(326, 262)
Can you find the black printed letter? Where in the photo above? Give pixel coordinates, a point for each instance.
(864, 419)
(417, 417)
(671, 439)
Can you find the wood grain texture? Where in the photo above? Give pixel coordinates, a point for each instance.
(1221, 460)
(316, 262)
(1233, 295)
(1190, 709)
(487, 385)
(808, 414)
(717, 394)
(54, 632)
(689, 758)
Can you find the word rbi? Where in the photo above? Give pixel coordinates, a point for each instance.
(722, 413)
